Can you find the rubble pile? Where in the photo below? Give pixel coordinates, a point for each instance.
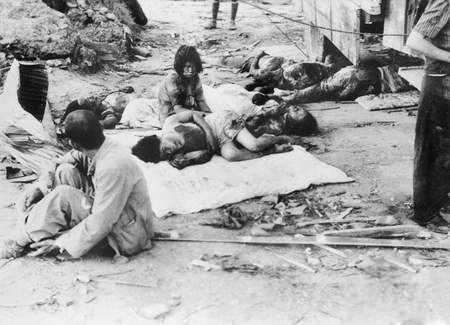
(50, 29)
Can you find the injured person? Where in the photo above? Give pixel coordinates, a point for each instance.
(189, 139)
(314, 81)
(109, 113)
(93, 193)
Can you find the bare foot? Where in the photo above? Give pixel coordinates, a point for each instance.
(279, 148)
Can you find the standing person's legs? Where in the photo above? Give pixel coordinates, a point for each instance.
(431, 179)
(215, 12)
(234, 8)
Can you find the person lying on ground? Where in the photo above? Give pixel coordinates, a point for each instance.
(270, 72)
(348, 83)
(237, 137)
(108, 114)
(314, 81)
(92, 193)
(182, 89)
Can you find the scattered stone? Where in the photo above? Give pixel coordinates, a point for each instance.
(83, 278)
(111, 16)
(270, 199)
(424, 235)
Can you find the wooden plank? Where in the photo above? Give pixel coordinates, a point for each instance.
(339, 15)
(378, 232)
(321, 240)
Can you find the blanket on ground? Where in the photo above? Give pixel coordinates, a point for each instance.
(220, 182)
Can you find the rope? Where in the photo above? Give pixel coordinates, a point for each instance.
(287, 36)
(319, 27)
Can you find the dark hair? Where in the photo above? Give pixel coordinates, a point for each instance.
(299, 121)
(186, 53)
(260, 99)
(84, 128)
(147, 149)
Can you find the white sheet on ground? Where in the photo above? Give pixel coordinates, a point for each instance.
(220, 182)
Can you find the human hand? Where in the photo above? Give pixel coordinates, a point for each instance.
(178, 163)
(45, 247)
(32, 195)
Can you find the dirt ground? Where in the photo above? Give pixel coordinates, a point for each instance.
(374, 148)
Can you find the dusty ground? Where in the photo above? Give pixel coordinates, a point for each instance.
(377, 155)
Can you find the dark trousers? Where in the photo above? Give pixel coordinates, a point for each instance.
(431, 179)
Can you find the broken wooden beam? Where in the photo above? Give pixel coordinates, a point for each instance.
(321, 240)
(333, 221)
(398, 231)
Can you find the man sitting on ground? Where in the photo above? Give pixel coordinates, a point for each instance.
(94, 192)
(189, 139)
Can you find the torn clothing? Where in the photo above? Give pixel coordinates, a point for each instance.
(434, 25)
(352, 82)
(174, 91)
(291, 76)
(225, 125)
(119, 210)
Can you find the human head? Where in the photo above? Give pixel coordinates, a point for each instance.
(147, 149)
(122, 101)
(187, 57)
(83, 128)
(154, 149)
(299, 121)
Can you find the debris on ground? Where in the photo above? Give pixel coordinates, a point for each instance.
(231, 218)
(227, 263)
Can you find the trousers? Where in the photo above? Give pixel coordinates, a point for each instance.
(64, 207)
(431, 178)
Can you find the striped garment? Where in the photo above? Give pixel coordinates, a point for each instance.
(434, 25)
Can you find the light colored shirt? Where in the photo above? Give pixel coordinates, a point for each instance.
(121, 210)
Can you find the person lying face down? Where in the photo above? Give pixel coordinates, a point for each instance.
(234, 137)
(182, 89)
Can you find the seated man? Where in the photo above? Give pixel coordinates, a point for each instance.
(238, 137)
(94, 192)
(108, 114)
